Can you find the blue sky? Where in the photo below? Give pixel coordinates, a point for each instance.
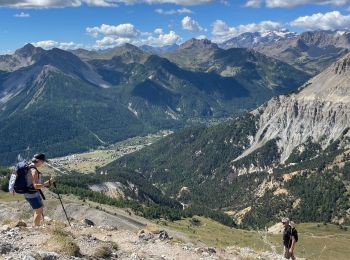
(98, 24)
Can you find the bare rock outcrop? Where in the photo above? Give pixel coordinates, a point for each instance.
(320, 112)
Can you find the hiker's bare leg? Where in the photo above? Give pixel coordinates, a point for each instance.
(37, 216)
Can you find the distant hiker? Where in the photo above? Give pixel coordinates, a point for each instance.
(26, 180)
(290, 237)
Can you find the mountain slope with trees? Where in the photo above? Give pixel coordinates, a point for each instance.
(68, 104)
(288, 157)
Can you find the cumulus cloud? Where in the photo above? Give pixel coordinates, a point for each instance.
(158, 31)
(40, 3)
(253, 3)
(104, 3)
(328, 21)
(173, 11)
(22, 15)
(191, 25)
(110, 42)
(125, 30)
(49, 44)
(162, 39)
(108, 36)
(293, 3)
(222, 32)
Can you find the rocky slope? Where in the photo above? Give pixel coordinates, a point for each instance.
(96, 234)
(320, 111)
(48, 242)
(257, 39)
(310, 51)
(23, 57)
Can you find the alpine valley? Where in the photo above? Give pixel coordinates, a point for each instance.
(288, 156)
(64, 102)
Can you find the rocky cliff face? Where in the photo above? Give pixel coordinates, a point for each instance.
(320, 111)
(23, 57)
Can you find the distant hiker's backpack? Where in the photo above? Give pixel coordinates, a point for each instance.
(21, 179)
(294, 234)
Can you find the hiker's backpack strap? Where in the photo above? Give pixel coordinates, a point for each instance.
(294, 233)
(31, 188)
(39, 173)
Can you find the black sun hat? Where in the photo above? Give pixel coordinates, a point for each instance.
(39, 157)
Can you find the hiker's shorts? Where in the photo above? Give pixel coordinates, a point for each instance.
(35, 202)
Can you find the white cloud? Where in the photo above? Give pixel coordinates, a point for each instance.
(201, 37)
(40, 3)
(162, 39)
(328, 21)
(191, 25)
(173, 11)
(5, 52)
(49, 44)
(109, 36)
(125, 30)
(253, 3)
(104, 3)
(110, 42)
(158, 31)
(222, 32)
(292, 3)
(22, 15)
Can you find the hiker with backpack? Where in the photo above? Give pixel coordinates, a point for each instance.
(26, 180)
(290, 237)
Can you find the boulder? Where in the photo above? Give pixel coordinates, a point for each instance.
(88, 222)
(20, 224)
(5, 248)
(163, 235)
(146, 236)
(49, 255)
(5, 228)
(31, 256)
(28, 257)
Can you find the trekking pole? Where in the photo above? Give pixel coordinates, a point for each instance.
(59, 197)
(56, 169)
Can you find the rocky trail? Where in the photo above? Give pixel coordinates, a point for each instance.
(54, 240)
(99, 233)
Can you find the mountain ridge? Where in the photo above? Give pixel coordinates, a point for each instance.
(312, 51)
(153, 91)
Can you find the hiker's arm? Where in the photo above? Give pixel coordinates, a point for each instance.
(293, 245)
(36, 183)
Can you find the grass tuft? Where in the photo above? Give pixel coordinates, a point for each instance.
(63, 243)
(103, 252)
